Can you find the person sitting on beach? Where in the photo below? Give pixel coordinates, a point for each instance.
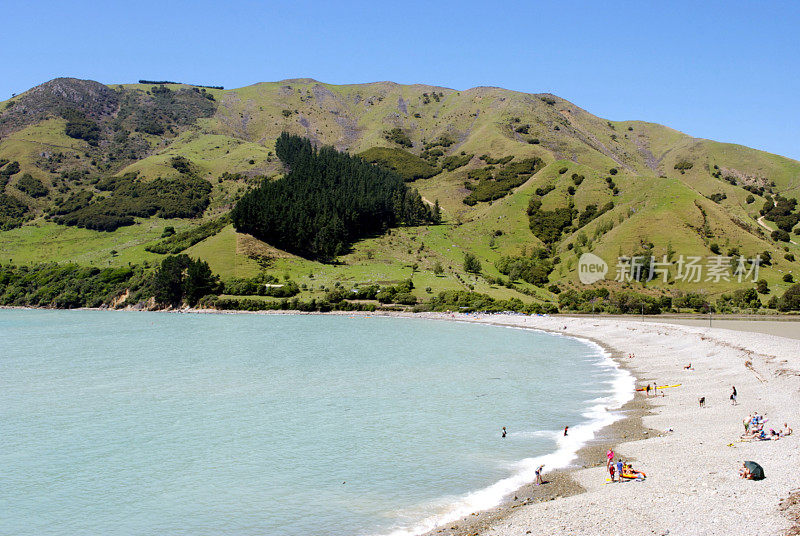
(755, 472)
(688, 367)
(762, 436)
(786, 430)
(630, 472)
(757, 433)
(744, 472)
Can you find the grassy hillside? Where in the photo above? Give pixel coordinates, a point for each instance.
(666, 193)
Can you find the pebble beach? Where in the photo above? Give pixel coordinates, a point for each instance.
(691, 454)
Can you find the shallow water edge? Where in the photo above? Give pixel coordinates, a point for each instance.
(614, 419)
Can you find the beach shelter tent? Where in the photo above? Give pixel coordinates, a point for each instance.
(756, 471)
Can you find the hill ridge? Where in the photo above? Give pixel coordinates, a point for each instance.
(488, 154)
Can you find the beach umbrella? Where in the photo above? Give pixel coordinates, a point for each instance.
(756, 470)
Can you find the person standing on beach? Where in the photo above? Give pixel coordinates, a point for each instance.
(733, 395)
(648, 389)
(609, 457)
(619, 469)
(539, 479)
(611, 471)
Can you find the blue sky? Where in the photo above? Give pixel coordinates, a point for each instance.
(728, 71)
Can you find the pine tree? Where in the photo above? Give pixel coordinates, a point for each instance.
(326, 201)
(180, 277)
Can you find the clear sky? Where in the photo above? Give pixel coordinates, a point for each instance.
(726, 70)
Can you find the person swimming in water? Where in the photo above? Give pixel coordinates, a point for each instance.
(504, 432)
(566, 429)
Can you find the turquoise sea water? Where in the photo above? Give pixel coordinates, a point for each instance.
(123, 423)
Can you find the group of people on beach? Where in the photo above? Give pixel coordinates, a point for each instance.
(754, 429)
(620, 470)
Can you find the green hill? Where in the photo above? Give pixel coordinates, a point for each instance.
(512, 172)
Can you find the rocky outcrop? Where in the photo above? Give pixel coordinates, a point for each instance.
(91, 98)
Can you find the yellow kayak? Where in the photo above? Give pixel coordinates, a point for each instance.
(660, 387)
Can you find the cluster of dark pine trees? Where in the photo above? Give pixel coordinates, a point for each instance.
(326, 201)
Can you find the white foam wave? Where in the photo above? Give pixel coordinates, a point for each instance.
(600, 414)
(529, 434)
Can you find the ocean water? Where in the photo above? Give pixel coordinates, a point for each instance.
(123, 423)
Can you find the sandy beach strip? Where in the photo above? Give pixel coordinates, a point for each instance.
(692, 484)
(780, 325)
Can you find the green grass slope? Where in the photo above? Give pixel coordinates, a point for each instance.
(662, 205)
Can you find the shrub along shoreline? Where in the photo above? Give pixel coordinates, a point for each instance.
(180, 281)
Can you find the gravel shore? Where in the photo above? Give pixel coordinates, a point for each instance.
(692, 484)
(558, 484)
